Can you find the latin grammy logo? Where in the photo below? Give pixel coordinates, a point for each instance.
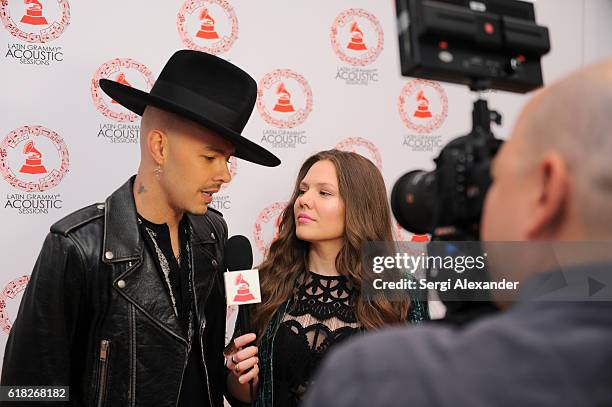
(207, 29)
(33, 164)
(121, 79)
(243, 294)
(422, 111)
(283, 104)
(34, 15)
(356, 43)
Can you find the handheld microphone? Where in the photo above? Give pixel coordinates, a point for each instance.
(238, 253)
(241, 281)
(241, 284)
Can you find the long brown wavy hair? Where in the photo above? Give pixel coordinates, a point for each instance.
(367, 218)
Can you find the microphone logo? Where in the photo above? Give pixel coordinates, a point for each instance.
(242, 287)
(243, 294)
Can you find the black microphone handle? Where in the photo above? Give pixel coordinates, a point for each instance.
(245, 319)
(245, 327)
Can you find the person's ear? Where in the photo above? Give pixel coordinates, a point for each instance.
(552, 190)
(157, 146)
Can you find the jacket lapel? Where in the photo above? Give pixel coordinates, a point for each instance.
(141, 283)
(206, 262)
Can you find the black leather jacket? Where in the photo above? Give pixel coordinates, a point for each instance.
(96, 316)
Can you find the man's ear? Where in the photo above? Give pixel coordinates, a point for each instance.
(552, 185)
(157, 146)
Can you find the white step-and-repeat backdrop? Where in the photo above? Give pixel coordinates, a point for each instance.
(328, 76)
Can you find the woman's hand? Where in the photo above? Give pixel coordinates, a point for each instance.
(243, 362)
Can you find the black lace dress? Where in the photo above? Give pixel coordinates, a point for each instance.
(322, 315)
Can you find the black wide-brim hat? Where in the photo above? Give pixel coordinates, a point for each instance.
(203, 88)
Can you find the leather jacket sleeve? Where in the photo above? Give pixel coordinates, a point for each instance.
(39, 348)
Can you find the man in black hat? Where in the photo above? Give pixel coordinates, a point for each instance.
(126, 301)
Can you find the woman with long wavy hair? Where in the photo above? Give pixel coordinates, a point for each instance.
(311, 278)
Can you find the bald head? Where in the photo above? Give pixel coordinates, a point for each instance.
(573, 117)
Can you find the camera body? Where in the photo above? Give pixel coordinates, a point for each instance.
(485, 44)
(447, 202)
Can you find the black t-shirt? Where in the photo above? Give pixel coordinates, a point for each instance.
(175, 275)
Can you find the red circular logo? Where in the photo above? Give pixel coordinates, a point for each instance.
(284, 98)
(210, 26)
(357, 37)
(362, 147)
(125, 71)
(423, 105)
(33, 158)
(9, 293)
(35, 21)
(266, 226)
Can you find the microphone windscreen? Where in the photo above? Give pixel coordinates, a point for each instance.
(238, 253)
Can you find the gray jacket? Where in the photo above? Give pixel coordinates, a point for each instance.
(535, 354)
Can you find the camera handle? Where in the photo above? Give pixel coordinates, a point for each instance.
(481, 115)
(482, 118)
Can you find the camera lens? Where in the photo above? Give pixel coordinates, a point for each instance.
(413, 199)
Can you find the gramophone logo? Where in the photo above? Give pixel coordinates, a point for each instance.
(224, 202)
(33, 159)
(35, 21)
(207, 29)
(284, 98)
(34, 13)
(266, 226)
(33, 163)
(423, 105)
(362, 147)
(11, 297)
(128, 72)
(357, 37)
(283, 103)
(242, 287)
(210, 26)
(243, 293)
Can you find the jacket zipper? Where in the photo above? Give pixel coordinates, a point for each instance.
(103, 370)
(178, 396)
(201, 339)
(202, 326)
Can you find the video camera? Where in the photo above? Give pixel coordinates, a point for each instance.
(485, 44)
